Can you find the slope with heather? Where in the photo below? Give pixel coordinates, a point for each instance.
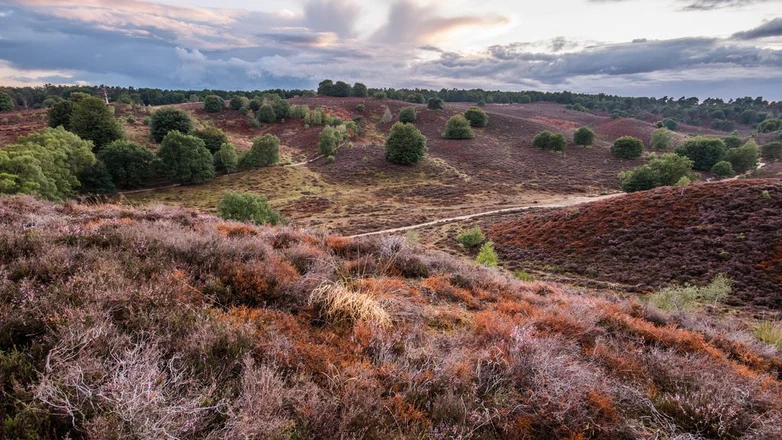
(661, 237)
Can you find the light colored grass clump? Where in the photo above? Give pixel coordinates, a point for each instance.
(689, 297)
(340, 303)
(770, 333)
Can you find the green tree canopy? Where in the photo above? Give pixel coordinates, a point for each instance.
(329, 140)
(264, 152)
(662, 139)
(59, 115)
(627, 147)
(185, 159)
(584, 136)
(547, 140)
(94, 121)
(266, 114)
(405, 145)
(169, 119)
(6, 102)
(407, 115)
(129, 165)
(214, 104)
(213, 137)
(476, 117)
(704, 151)
(226, 159)
(744, 158)
(247, 207)
(458, 127)
(360, 90)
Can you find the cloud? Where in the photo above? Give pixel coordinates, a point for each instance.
(772, 28)
(702, 5)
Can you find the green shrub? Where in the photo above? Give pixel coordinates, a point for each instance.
(247, 207)
(640, 179)
(732, 141)
(93, 120)
(379, 95)
(487, 256)
(476, 117)
(704, 151)
(416, 98)
(405, 145)
(435, 104)
(663, 170)
(547, 140)
(281, 107)
(689, 297)
(748, 117)
(584, 136)
(744, 158)
(331, 159)
(627, 147)
(722, 124)
(266, 114)
(255, 104)
(458, 128)
(238, 102)
(360, 108)
(214, 104)
(481, 103)
(329, 140)
(6, 102)
(341, 89)
(59, 115)
(146, 121)
(264, 152)
(770, 125)
(213, 137)
(472, 237)
(723, 169)
(769, 333)
(225, 159)
(360, 90)
(662, 139)
(169, 119)
(185, 159)
(299, 111)
(407, 115)
(95, 179)
(668, 123)
(129, 165)
(523, 276)
(772, 151)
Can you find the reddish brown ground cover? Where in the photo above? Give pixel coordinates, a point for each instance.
(660, 237)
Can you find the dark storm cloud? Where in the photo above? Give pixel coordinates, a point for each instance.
(771, 29)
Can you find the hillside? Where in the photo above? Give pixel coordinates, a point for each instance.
(665, 236)
(162, 322)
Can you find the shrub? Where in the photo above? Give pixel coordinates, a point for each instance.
(405, 145)
(247, 207)
(435, 104)
(94, 121)
(627, 147)
(640, 179)
(341, 89)
(255, 104)
(213, 137)
(264, 152)
(129, 165)
(299, 111)
(584, 136)
(458, 128)
(185, 159)
(416, 98)
(169, 119)
(339, 304)
(664, 170)
(360, 90)
(723, 169)
(331, 159)
(769, 333)
(689, 297)
(329, 140)
(662, 139)
(770, 125)
(379, 95)
(407, 115)
(281, 107)
(748, 117)
(59, 115)
(732, 141)
(360, 108)
(487, 256)
(238, 102)
(472, 237)
(703, 151)
(744, 158)
(476, 117)
(225, 159)
(6, 102)
(525, 99)
(547, 140)
(668, 123)
(266, 114)
(481, 103)
(214, 104)
(772, 151)
(722, 124)
(95, 179)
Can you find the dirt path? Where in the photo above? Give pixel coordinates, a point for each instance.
(560, 204)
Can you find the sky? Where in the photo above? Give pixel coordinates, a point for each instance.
(703, 48)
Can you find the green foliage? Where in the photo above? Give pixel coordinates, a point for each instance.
(214, 104)
(524, 99)
(94, 121)
(458, 128)
(772, 151)
(472, 237)
(331, 159)
(329, 140)
(435, 104)
(627, 147)
(45, 164)
(416, 98)
(264, 152)
(226, 160)
(640, 179)
(325, 87)
(247, 207)
(266, 114)
(129, 165)
(185, 159)
(487, 256)
(213, 137)
(379, 95)
(744, 158)
(722, 124)
(237, 102)
(663, 170)
(769, 333)
(360, 90)
(523, 276)
(407, 115)
(316, 117)
(255, 104)
(360, 108)
(341, 89)
(732, 141)
(668, 123)
(723, 169)
(281, 107)
(169, 119)
(547, 140)
(704, 151)
(59, 115)
(405, 145)
(481, 103)
(96, 179)
(299, 111)
(662, 139)
(476, 117)
(584, 136)
(770, 125)
(748, 117)
(689, 297)
(6, 102)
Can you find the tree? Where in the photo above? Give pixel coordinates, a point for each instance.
(723, 169)
(748, 117)
(255, 104)
(214, 104)
(59, 115)
(472, 237)
(640, 179)
(481, 103)
(325, 87)
(407, 115)
(95, 179)
(584, 136)
(547, 140)
(247, 207)
(129, 165)
(664, 170)
(662, 139)
(744, 158)
(772, 151)
(405, 145)
(435, 104)
(264, 152)
(237, 102)
(458, 128)
(266, 114)
(732, 141)
(525, 99)
(6, 102)
(213, 137)
(487, 256)
(668, 123)
(185, 159)
(94, 121)
(476, 117)
(627, 147)
(226, 160)
(770, 125)
(341, 89)
(704, 151)
(360, 90)
(329, 140)
(169, 119)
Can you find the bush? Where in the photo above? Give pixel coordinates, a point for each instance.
(329, 140)
(770, 125)
(238, 102)
(662, 139)
(341, 89)
(266, 114)
(487, 256)
(481, 103)
(96, 180)
(255, 104)
(689, 297)
(664, 170)
(584, 136)
(722, 124)
(640, 179)
(732, 141)
(214, 104)
(379, 95)
(416, 98)
(744, 158)
(407, 115)
(129, 165)
(627, 147)
(94, 121)
(59, 115)
(281, 107)
(769, 333)
(471, 238)
(226, 160)
(723, 169)
(360, 90)
(525, 99)
(247, 207)
(405, 145)
(748, 117)
(213, 138)
(6, 102)
(169, 119)
(435, 104)
(185, 159)
(703, 151)
(547, 140)
(772, 151)
(458, 128)
(264, 152)
(476, 117)
(668, 123)
(360, 108)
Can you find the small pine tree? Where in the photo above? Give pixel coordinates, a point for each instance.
(435, 104)
(476, 117)
(407, 115)
(471, 238)
(405, 145)
(487, 256)
(6, 102)
(458, 128)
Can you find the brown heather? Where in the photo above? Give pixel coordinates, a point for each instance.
(162, 323)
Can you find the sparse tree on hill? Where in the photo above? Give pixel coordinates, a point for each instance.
(772, 151)
(547, 140)
(6, 102)
(744, 158)
(214, 104)
(266, 114)
(704, 151)
(435, 104)
(237, 102)
(341, 89)
(226, 160)
(255, 104)
(329, 140)
(247, 207)
(732, 141)
(416, 98)
(169, 119)
(723, 169)
(213, 137)
(264, 152)
(584, 136)
(360, 90)
(129, 165)
(407, 115)
(458, 128)
(405, 145)
(627, 147)
(664, 170)
(185, 159)
(94, 121)
(325, 87)
(476, 117)
(662, 139)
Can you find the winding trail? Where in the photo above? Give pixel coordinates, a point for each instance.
(562, 204)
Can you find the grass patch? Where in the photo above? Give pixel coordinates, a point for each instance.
(689, 297)
(770, 333)
(338, 304)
